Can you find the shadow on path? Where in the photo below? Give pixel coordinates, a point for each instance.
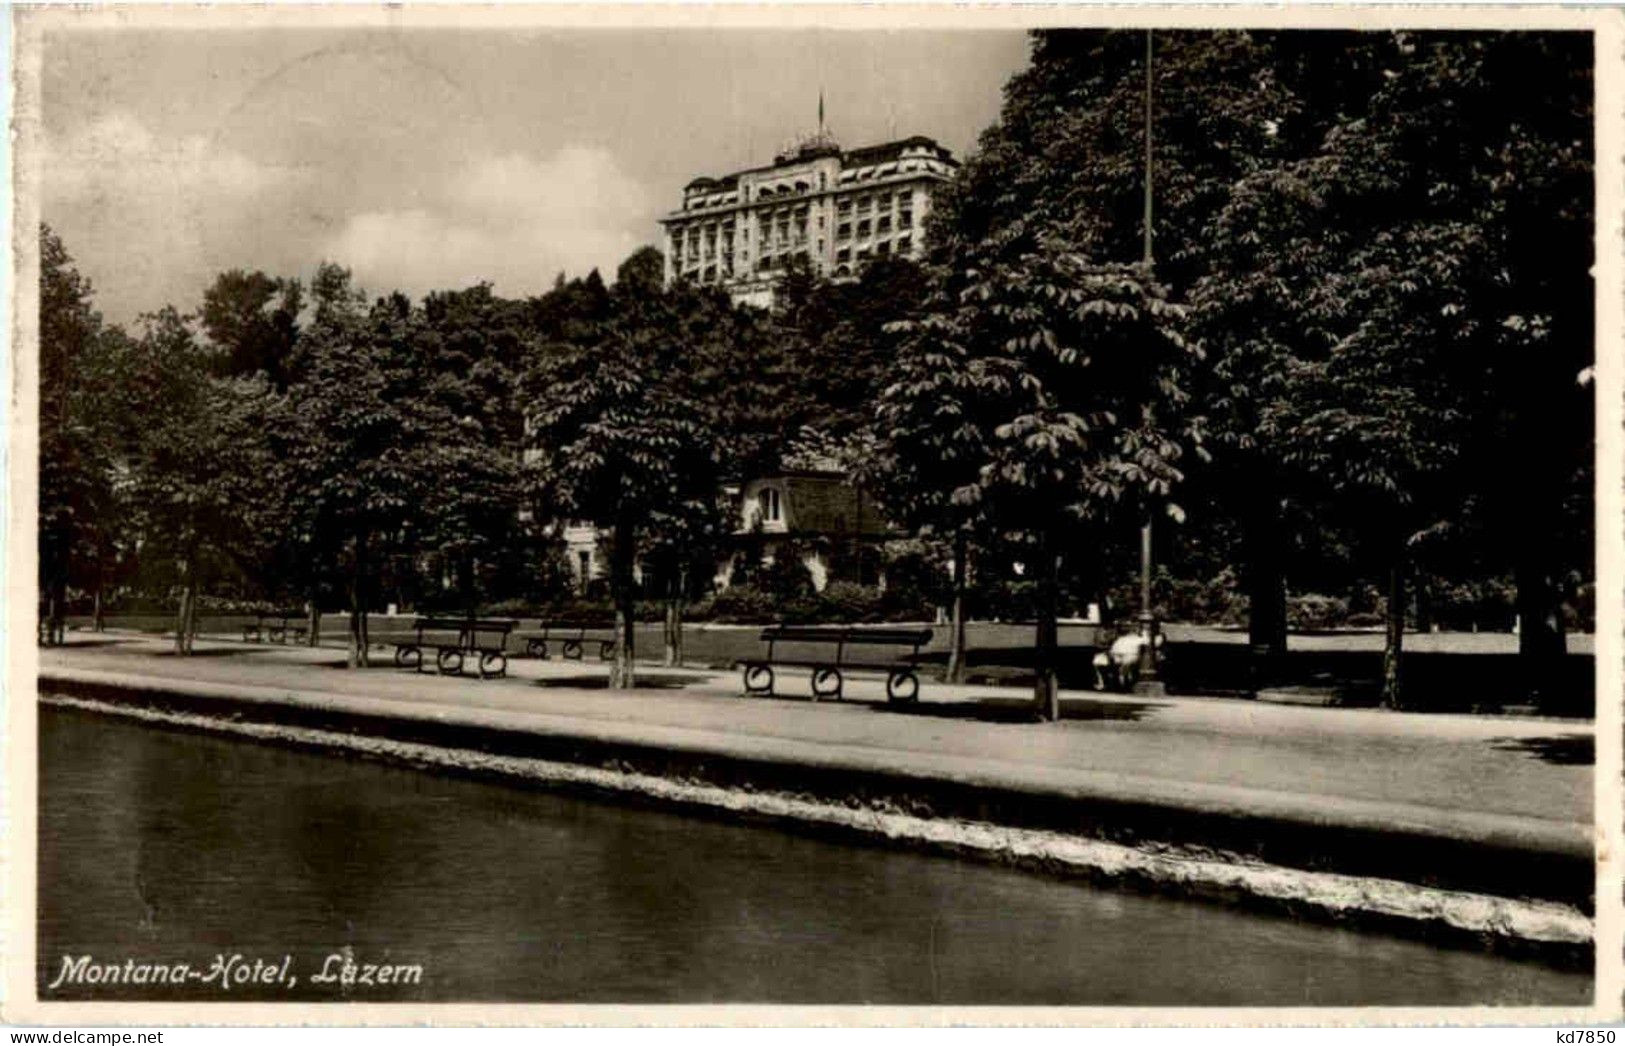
(645, 681)
(213, 652)
(86, 644)
(1563, 749)
(1020, 710)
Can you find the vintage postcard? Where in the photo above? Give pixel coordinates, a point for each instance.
(883, 515)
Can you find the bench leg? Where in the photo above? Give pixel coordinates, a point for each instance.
(536, 648)
(902, 686)
(758, 679)
(572, 650)
(821, 683)
(606, 649)
(493, 664)
(408, 654)
(450, 661)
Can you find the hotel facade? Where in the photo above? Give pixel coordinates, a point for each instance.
(837, 209)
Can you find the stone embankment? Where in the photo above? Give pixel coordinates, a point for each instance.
(1470, 877)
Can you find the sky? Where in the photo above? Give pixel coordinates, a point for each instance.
(430, 158)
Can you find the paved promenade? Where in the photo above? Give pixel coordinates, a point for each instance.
(1513, 779)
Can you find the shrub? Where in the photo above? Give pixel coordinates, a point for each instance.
(743, 605)
(1004, 600)
(1314, 612)
(786, 578)
(844, 601)
(513, 608)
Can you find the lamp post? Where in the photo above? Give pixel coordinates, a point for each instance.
(1147, 681)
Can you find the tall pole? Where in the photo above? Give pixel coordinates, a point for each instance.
(1147, 222)
(1148, 681)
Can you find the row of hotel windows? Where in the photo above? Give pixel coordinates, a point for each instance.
(800, 187)
(845, 257)
(879, 201)
(791, 231)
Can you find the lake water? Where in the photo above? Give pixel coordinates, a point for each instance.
(161, 846)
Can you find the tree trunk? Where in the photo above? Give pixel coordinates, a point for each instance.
(674, 617)
(358, 604)
(313, 625)
(98, 614)
(56, 600)
(1541, 642)
(1265, 576)
(1046, 695)
(955, 672)
(1393, 646)
(621, 673)
(186, 622)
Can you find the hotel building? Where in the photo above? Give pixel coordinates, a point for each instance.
(837, 209)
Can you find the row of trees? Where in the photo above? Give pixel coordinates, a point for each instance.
(1370, 307)
(340, 451)
(1380, 243)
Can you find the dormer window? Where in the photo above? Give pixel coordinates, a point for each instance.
(768, 504)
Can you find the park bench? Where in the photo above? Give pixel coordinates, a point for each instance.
(902, 684)
(571, 633)
(272, 626)
(458, 638)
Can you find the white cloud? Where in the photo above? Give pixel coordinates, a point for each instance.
(146, 216)
(512, 220)
(119, 150)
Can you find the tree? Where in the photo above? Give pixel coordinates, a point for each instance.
(1067, 159)
(76, 451)
(253, 319)
(1384, 322)
(358, 439)
(1062, 384)
(643, 273)
(199, 463)
(933, 445)
(619, 435)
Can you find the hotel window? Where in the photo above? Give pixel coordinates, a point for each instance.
(863, 204)
(903, 244)
(883, 248)
(883, 224)
(844, 254)
(905, 218)
(844, 231)
(863, 228)
(844, 208)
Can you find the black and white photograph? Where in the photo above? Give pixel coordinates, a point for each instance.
(1048, 509)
